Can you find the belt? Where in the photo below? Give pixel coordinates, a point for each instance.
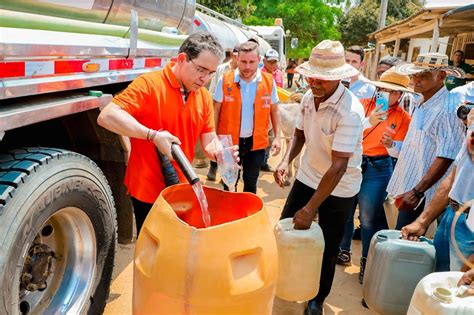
(455, 205)
(375, 158)
(246, 138)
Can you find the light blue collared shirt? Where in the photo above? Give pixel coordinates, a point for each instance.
(464, 93)
(361, 89)
(462, 190)
(248, 91)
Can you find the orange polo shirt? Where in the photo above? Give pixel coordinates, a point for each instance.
(397, 122)
(155, 100)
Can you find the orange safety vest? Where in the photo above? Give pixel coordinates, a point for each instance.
(231, 110)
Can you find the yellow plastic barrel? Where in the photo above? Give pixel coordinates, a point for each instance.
(227, 268)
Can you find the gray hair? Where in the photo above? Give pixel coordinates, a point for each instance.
(390, 61)
(199, 42)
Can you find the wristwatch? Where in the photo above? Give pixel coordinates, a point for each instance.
(418, 193)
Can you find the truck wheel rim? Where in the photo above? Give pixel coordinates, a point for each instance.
(67, 239)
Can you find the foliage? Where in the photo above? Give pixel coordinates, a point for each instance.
(362, 19)
(235, 9)
(309, 20)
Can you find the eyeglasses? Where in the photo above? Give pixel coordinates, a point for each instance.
(203, 71)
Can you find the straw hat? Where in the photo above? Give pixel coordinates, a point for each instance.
(393, 80)
(430, 62)
(327, 62)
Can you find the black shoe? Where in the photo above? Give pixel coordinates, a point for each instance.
(266, 168)
(363, 262)
(211, 175)
(201, 163)
(313, 308)
(344, 258)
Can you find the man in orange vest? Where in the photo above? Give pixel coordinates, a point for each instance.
(244, 102)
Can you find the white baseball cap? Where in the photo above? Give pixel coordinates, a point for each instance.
(272, 54)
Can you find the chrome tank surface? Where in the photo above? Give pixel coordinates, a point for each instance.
(152, 14)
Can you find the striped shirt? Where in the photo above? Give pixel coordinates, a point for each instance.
(434, 131)
(336, 125)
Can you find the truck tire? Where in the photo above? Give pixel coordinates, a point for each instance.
(57, 233)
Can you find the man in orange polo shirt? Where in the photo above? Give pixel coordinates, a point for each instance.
(377, 164)
(164, 107)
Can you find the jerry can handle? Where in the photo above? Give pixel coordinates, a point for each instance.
(427, 240)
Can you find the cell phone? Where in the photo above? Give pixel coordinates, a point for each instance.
(381, 98)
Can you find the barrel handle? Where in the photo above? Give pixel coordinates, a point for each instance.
(246, 271)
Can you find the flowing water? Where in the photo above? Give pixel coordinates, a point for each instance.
(201, 197)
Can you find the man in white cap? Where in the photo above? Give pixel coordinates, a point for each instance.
(433, 140)
(270, 65)
(330, 126)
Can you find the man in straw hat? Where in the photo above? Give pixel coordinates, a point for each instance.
(330, 125)
(456, 191)
(433, 139)
(377, 162)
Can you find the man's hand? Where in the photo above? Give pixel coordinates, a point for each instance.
(407, 201)
(413, 231)
(281, 173)
(163, 140)
(214, 146)
(303, 218)
(468, 279)
(387, 140)
(377, 116)
(276, 146)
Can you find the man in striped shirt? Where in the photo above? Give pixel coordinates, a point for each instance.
(433, 140)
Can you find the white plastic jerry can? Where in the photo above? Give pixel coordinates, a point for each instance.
(438, 293)
(300, 256)
(394, 268)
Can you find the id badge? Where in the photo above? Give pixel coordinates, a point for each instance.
(229, 98)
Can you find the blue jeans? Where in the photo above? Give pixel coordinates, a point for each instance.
(375, 177)
(446, 258)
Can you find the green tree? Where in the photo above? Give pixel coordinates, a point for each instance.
(310, 21)
(231, 8)
(362, 19)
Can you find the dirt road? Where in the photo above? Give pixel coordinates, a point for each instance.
(345, 297)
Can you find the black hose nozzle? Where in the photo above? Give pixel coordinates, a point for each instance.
(184, 164)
